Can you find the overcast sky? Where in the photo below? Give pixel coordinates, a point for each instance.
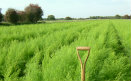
(73, 8)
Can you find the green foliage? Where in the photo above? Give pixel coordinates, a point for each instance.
(68, 18)
(1, 17)
(33, 13)
(22, 17)
(47, 52)
(118, 16)
(11, 16)
(51, 17)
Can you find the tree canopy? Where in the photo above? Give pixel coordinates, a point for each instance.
(33, 13)
(51, 17)
(11, 16)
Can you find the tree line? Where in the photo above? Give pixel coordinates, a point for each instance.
(34, 13)
(52, 17)
(111, 17)
(31, 14)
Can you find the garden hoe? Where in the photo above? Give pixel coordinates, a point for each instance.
(83, 65)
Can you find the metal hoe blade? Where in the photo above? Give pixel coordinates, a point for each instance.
(83, 65)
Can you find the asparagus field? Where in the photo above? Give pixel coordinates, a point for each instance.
(47, 52)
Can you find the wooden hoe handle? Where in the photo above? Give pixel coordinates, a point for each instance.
(83, 65)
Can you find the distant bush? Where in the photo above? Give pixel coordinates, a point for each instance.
(33, 13)
(1, 17)
(117, 16)
(21, 16)
(51, 17)
(11, 16)
(68, 18)
(126, 17)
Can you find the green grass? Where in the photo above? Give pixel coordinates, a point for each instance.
(47, 52)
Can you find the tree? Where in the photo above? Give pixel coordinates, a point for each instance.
(11, 16)
(68, 18)
(117, 16)
(51, 17)
(126, 17)
(93, 17)
(21, 16)
(33, 13)
(1, 17)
